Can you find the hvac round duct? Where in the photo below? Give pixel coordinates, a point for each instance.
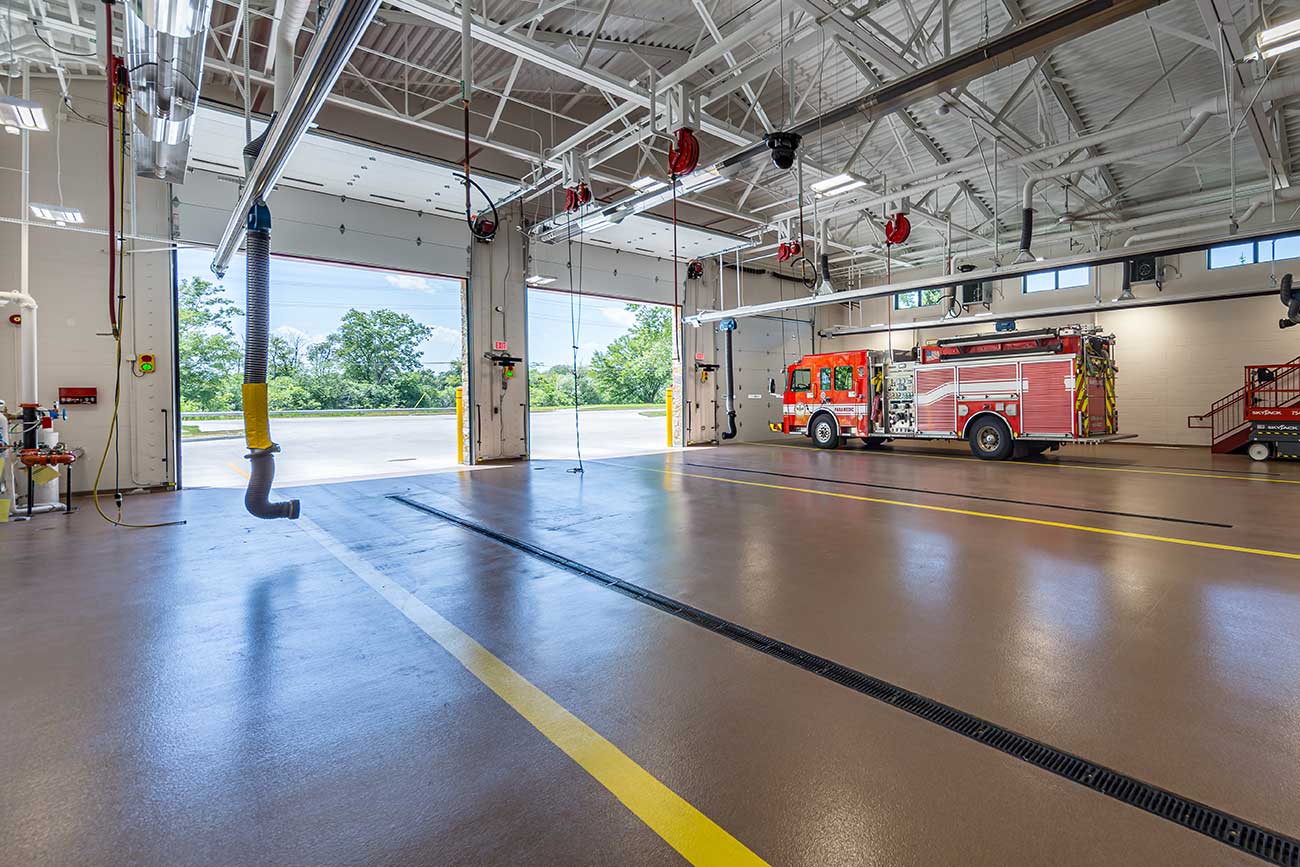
(179, 18)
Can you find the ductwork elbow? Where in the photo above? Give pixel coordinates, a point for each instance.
(1194, 127)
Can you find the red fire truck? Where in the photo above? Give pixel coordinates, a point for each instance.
(1009, 394)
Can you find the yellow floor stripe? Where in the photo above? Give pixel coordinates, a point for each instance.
(694, 835)
(1172, 540)
(1055, 466)
(237, 468)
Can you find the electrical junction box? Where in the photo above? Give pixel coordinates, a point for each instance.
(72, 396)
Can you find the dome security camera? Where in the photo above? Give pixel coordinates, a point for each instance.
(783, 146)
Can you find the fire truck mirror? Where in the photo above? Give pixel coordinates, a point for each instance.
(771, 387)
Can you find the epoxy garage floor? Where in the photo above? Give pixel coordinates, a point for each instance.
(454, 669)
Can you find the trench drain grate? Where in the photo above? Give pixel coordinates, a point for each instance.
(1270, 846)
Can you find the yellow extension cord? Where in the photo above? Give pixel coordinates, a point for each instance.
(117, 384)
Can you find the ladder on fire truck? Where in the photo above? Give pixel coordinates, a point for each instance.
(1229, 428)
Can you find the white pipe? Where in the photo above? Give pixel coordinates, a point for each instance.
(286, 40)
(1228, 223)
(27, 389)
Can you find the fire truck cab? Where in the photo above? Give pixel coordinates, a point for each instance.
(1008, 393)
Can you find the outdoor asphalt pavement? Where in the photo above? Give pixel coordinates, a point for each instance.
(333, 448)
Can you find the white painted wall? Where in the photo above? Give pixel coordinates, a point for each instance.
(1175, 360)
(69, 282)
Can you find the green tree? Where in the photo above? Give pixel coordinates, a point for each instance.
(286, 354)
(637, 367)
(376, 347)
(210, 354)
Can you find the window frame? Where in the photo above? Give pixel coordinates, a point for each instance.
(1255, 245)
(1056, 280)
(919, 295)
(835, 377)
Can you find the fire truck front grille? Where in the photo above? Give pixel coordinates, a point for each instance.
(1240, 834)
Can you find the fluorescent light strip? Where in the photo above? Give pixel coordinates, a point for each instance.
(57, 213)
(647, 183)
(852, 185)
(1280, 33)
(831, 183)
(23, 114)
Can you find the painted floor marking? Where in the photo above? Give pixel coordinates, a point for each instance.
(1083, 528)
(1190, 475)
(695, 836)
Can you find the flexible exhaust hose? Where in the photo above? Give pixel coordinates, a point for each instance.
(1026, 232)
(728, 327)
(257, 424)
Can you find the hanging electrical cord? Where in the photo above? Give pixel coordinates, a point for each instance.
(117, 258)
(481, 227)
(575, 318)
(37, 30)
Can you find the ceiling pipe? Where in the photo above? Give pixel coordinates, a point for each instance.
(292, 17)
(1043, 312)
(1102, 257)
(338, 35)
(1279, 88)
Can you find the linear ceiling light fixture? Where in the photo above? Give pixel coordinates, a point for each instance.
(1278, 40)
(539, 280)
(837, 185)
(18, 114)
(57, 214)
(648, 183)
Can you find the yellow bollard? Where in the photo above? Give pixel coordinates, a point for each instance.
(668, 402)
(460, 425)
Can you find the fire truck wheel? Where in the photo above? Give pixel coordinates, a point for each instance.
(990, 439)
(1260, 451)
(824, 434)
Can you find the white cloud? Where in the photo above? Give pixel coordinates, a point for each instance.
(410, 282)
(621, 315)
(443, 334)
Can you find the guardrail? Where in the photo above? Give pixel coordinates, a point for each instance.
(293, 413)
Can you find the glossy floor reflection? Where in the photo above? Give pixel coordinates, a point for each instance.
(228, 692)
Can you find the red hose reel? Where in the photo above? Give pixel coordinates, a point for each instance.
(787, 250)
(684, 153)
(576, 197)
(897, 229)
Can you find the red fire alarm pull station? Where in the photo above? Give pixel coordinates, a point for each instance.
(69, 396)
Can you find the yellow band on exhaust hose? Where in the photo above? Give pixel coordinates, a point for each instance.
(257, 427)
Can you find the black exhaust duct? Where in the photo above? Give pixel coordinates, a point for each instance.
(728, 327)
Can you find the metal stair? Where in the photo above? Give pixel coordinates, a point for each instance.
(1226, 419)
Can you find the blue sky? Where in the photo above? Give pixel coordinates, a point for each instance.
(311, 298)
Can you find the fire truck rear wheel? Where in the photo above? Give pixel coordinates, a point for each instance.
(824, 434)
(1260, 451)
(990, 439)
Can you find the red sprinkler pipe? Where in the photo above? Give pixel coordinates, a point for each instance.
(110, 74)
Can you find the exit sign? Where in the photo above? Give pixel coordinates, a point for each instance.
(500, 346)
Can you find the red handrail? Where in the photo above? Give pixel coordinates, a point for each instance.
(1227, 415)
